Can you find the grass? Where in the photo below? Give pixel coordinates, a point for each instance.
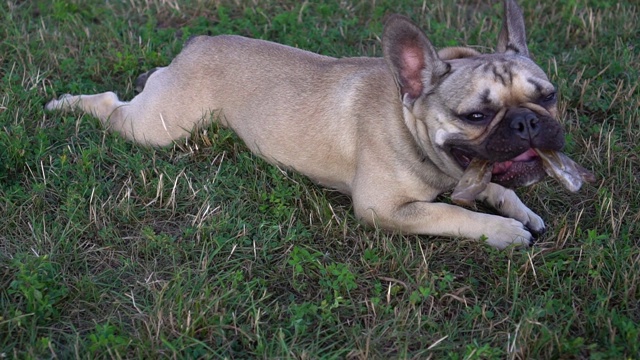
(202, 250)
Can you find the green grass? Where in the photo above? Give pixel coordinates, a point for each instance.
(112, 250)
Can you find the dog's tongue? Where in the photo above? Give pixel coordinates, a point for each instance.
(502, 167)
(526, 156)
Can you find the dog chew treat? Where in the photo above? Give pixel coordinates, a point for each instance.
(560, 167)
(473, 182)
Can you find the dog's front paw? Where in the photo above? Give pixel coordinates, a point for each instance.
(533, 222)
(508, 204)
(503, 232)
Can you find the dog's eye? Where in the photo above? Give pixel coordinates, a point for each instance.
(476, 116)
(549, 98)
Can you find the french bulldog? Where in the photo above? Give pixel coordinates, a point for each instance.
(392, 132)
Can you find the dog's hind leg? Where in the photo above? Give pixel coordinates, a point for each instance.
(101, 106)
(115, 115)
(126, 118)
(105, 106)
(151, 118)
(165, 111)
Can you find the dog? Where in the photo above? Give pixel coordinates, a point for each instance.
(392, 132)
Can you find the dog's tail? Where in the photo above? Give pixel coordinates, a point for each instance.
(141, 81)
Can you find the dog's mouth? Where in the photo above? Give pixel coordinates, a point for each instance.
(523, 170)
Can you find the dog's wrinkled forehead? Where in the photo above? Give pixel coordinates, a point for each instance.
(500, 80)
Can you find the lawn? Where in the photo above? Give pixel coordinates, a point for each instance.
(203, 250)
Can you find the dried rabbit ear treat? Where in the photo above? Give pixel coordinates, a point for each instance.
(560, 167)
(474, 180)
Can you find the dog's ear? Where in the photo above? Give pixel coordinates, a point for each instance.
(412, 59)
(512, 38)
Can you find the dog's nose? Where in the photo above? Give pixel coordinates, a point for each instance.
(525, 124)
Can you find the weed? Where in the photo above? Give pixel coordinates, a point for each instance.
(36, 288)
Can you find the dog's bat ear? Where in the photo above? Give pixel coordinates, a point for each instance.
(512, 38)
(411, 57)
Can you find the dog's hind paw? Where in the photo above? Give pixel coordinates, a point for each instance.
(62, 103)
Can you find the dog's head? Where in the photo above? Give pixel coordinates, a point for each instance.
(460, 104)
